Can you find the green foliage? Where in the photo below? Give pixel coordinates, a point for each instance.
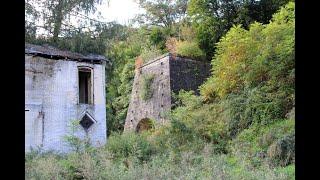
(271, 144)
(212, 19)
(257, 105)
(85, 42)
(146, 90)
(252, 87)
(57, 12)
(46, 167)
(157, 37)
(258, 56)
(149, 54)
(75, 143)
(205, 120)
(231, 54)
(162, 13)
(240, 127)
(129, 144)
(253, 72)
(188, 164)
(187, 32)
(282, 152)
(120, 76)
(190, 49)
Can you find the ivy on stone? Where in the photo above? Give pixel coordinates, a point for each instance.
(146, 90)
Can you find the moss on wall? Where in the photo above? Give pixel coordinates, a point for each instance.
(146, 91)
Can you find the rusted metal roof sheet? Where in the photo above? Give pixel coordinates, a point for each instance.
(55, 53)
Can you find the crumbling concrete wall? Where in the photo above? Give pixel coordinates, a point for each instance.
(51, 103)
(171, 75)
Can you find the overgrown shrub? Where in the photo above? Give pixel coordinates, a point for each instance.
(200, 163)
(260, 56)
(268, 144)
(157, 37)
(149, 54)
(205, 120)
(282, 152)
(190, 49)
(171, 45)
(129, 144)
(255, 105)
(74, 142)
(44, 167)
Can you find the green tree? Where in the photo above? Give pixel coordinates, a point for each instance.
(162, 12)
(213, 18)
(120, 76)
(253, 70)
(59, 10)
(31, 15)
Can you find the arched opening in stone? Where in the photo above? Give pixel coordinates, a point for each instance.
(144, 124)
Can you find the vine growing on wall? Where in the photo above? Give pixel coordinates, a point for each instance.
(146, 90)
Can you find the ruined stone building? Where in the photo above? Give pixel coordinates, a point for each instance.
(165, 74)
(62, 87)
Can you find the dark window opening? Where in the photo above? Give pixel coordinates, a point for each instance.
(86, 122)
(85, 86)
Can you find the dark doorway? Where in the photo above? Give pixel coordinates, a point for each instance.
(144, 125)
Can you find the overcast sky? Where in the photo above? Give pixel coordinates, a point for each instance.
(119, 10)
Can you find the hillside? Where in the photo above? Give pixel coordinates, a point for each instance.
(241, 126)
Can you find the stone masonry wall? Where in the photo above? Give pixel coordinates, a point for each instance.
(171, 75)
(51, 103)
(187, 74)
(159, 103)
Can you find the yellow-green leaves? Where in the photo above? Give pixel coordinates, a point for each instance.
(246, 58)
(190, 49)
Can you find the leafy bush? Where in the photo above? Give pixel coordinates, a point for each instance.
(44, 167)
(149, 54)
(188, 164)
(74, 142)
(146, 91)
(171, 45)
(282, 152)
(256, 105)
(269, 143)
(263, 55)
(129, 144)
(206, 120)
(253, 73)
(189, 49)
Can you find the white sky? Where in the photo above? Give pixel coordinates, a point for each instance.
(119, 10)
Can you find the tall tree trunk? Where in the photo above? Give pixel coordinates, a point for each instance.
(58, 21)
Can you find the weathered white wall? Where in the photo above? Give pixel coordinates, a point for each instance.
(51, 96)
